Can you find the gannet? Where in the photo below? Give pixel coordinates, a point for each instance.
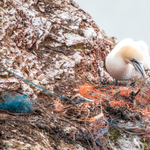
(128, 60)
(144, 49)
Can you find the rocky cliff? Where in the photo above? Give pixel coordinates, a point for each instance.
(56, 45)
(52, 41)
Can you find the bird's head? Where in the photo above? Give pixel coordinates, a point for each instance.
(133, 56)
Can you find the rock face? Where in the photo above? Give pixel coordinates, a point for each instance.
(54, 44)
(51, 43)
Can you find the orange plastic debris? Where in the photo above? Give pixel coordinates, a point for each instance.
(96, 117)
(118, 103)
(88, 91)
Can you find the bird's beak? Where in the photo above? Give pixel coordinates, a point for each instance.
(139, 67)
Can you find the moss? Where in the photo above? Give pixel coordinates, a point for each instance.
(61, 66)
(68, 31)
(26, 71)
(49, 41)
(29, 148)
(61, 75)
(3, 76)
(16, 144)
(66, 146)
(51, 139)
(34, 65)
(104, 67)
(89, 68)
(145, 143)
(82, 46)
(114, 135)
(18, 64)
(80, 32)
(78, 46)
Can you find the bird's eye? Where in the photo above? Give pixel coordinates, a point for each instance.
(134, 60)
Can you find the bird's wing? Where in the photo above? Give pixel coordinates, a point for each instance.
(143, 47)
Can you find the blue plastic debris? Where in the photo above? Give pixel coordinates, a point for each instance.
(16, 103)
(148, 82)
(35, 85)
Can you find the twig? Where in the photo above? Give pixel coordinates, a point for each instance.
(94, 144)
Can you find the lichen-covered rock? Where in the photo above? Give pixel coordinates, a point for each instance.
(47, 41)
(54, 44)
(121, 140)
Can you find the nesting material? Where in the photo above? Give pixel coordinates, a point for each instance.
(16, 103)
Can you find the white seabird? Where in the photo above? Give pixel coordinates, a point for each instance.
(128, 60)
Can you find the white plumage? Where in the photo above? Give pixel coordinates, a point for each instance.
(128, 60)
(144, 49)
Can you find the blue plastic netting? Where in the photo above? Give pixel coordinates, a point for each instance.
(16, 103)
